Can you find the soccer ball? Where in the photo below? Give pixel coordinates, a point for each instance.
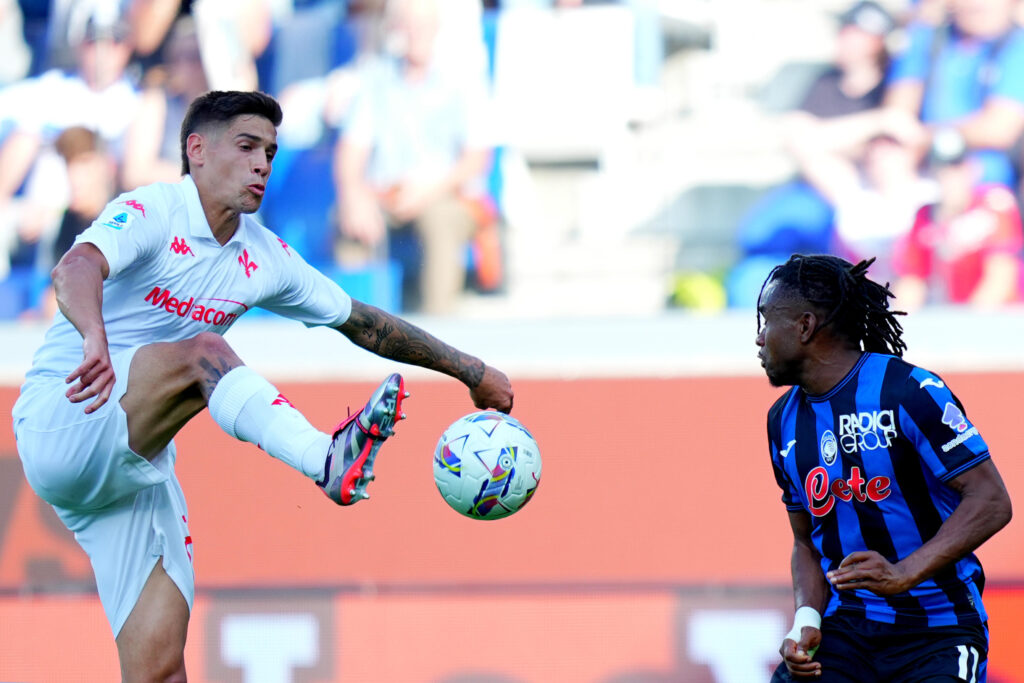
(486, 465)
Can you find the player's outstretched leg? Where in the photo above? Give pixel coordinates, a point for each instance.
(349, 466)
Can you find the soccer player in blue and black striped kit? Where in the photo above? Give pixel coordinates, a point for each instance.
(888, 484)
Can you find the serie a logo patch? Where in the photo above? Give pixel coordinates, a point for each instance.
(119, 221)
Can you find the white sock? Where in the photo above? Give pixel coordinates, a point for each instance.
(250, 408)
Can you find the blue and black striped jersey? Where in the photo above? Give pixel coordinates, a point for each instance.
(870, 461)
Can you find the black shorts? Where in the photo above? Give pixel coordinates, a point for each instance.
(857, 650)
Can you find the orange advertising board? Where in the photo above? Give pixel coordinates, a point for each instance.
(656, 500)
(644, 480)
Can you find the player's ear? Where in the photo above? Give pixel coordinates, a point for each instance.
(195, 149)
(806, 326)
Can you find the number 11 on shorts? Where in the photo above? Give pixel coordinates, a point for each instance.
(968, 663)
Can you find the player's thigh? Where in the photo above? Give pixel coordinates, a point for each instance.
(166, 387)
(151, 644)
(75, 460)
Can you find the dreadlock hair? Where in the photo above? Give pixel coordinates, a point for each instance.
(856, 307)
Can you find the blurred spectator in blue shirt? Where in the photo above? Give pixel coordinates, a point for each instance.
(412, 156)
(966, 77)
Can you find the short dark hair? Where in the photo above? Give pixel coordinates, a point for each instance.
(219, 107)
(856, 306)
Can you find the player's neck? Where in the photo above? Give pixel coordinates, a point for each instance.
(223, 223)
(822, 373)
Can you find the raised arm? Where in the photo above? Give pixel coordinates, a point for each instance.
(78, 285)
(391, 337)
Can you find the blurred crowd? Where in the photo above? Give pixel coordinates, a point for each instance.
(909, 146)
(92, 94)
(909, 150)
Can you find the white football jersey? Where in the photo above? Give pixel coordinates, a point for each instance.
(170, 279)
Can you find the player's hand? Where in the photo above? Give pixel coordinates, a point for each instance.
(799, 657)
(868, 570)
(94, 377)
(494, 391)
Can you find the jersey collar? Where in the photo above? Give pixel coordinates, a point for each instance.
(197, 224)
(842, 383)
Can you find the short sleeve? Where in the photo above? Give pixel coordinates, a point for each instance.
(790, 493)
(933, 418)
(913, 62)
(309, 296)
(130, 228)
(1009, 74)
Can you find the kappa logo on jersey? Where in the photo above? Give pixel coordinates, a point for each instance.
(120, 221)
(284, 245)
(828, 447)
(822, 493)
(135, 205)
(789, 447)
(178, 246)
(281, 401)
(929, 382)
(867, 431)
(191, 308)
(248, 265)
(954, 417)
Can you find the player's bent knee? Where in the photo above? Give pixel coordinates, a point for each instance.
(208, 348)
(210, 343)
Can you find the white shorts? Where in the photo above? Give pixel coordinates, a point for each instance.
(126, 512)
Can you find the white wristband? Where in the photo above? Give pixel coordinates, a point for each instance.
(805, 616)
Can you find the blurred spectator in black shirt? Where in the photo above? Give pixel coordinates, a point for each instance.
(839, 112)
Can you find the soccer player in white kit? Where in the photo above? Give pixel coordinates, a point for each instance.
(145, 295)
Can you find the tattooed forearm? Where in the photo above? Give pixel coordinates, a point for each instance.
(394, 338)
(379, 336)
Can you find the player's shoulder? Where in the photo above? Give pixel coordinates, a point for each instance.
(149, 202)
(906, 382)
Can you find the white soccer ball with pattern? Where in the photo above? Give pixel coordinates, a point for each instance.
(487, 465)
